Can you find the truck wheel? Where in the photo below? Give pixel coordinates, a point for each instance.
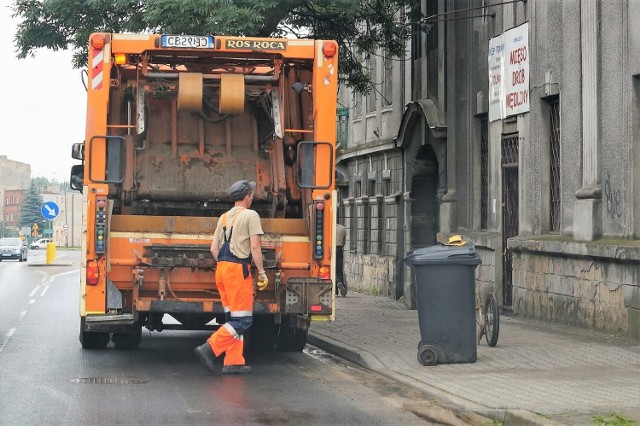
(127, 341)
(93, 340)
(291, 339)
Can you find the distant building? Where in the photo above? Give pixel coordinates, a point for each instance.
(14, 175)
(13, 199)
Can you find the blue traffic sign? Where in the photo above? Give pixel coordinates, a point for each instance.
(50, 210)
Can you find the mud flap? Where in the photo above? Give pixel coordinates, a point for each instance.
(307, 296)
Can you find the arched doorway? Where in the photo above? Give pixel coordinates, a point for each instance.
(424, 193)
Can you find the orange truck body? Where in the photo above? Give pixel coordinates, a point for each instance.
(172, 122)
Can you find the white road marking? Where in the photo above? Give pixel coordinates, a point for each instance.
(22, 314)
(44, 290)
(53, 277)
(35, 290)
(32, 301)
(8, 336)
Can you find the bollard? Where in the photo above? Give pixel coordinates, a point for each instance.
(51, 253)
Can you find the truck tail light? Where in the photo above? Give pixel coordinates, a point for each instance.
(315, 308)
(325, 273)
(92, 272)
(318, 240)
(98, 41)
(329, 49)
(120, 58)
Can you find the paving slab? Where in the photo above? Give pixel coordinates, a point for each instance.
(539, 373)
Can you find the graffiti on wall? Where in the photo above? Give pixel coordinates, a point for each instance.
(613, 199)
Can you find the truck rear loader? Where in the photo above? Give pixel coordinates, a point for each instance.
(172, 122)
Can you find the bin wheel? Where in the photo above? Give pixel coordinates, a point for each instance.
(491, 320)
(427, 355)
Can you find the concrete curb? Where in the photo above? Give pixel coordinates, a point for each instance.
(453, 402)
(50, 264)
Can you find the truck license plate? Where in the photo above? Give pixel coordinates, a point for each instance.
(185, 41)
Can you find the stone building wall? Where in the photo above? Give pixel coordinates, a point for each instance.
(595, 286)
(370, 274)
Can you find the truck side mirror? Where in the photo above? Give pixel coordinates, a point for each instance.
(76, 181)
(77, 151)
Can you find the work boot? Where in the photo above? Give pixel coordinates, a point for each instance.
(236, 369)
(206, 355)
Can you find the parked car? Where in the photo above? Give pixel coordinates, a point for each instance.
(13, 248)
(40, 244)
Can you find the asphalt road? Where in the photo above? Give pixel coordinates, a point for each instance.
(47, 378)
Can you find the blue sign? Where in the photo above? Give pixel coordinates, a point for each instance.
(50, 210)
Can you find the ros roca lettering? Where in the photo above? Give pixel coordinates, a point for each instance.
(255, 44)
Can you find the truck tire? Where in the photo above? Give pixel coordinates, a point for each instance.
(291, 339)
(127, 341)
(93, 340)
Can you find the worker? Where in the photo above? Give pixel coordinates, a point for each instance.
(341, 239)
(236, 243)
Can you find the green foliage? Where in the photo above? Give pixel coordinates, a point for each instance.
(361, 27)
(30, 210)
(613, 419)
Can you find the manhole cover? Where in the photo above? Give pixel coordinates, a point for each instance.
(108, 381)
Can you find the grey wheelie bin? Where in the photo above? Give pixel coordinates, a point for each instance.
(445, 287)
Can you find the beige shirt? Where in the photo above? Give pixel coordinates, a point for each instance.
(341, 235)
(247, 223)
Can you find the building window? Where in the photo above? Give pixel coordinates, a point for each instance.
(387, 80)
(432, 52)
(554, 166)
(368, 218)
(357, 186)
(484, 171)
(386, 182)
(353, 228)
(417, 29)
(357, 101)
(371, 96)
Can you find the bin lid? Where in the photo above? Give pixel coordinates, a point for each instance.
(465, 255)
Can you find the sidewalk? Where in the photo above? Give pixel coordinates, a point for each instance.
(539, 373)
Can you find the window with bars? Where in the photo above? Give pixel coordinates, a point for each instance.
(554, 164)
(484, 171)
(342, 127)
(387, 187)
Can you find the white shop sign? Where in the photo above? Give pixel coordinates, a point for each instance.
(509, 73)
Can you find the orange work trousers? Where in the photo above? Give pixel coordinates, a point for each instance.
(235, 285)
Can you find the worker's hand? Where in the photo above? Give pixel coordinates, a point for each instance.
(262, 280)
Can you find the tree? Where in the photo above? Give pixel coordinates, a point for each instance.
(30, 210)
(361, 27)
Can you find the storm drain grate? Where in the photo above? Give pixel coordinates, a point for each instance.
(108, 381)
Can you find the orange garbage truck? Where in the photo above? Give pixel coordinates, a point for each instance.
(172, 122)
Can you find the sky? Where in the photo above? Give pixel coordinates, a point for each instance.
(44, 106)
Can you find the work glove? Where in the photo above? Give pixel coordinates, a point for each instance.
(262, 280)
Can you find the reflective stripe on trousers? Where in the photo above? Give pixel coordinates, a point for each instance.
(236, 290)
